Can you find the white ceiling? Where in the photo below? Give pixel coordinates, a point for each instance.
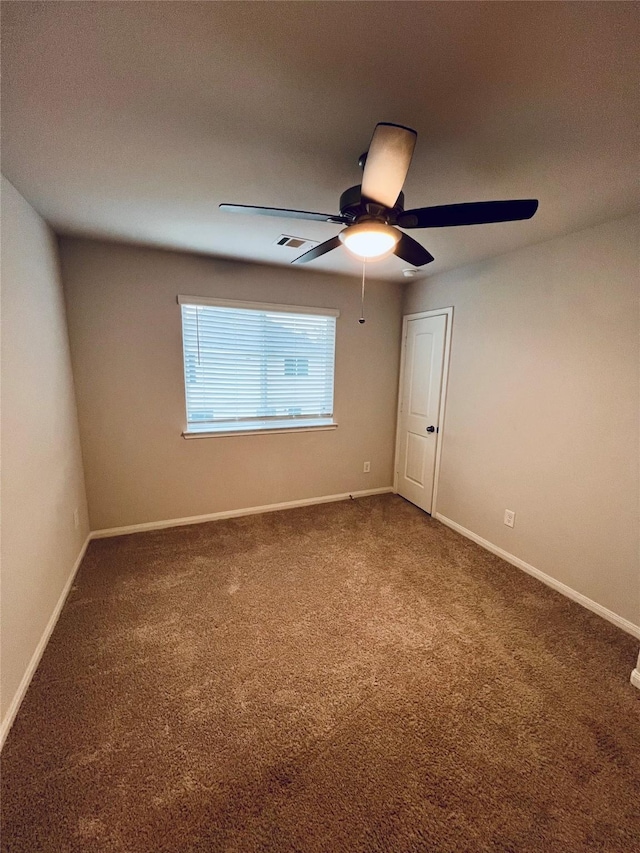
(133, 121)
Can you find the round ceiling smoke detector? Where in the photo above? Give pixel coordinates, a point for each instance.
(409, 273)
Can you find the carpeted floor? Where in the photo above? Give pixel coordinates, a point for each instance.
(345, 678)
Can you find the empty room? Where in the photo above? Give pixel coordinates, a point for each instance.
(320, 477)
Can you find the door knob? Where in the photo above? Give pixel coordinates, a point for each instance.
(431, 429)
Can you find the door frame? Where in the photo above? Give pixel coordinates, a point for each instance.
(448, 313)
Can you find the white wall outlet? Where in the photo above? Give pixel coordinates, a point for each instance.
(509, 517)
(76, 518)
(366, 468)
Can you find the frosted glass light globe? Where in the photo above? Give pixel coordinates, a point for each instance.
(370, 241)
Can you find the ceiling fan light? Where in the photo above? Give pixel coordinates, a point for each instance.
(370, 241)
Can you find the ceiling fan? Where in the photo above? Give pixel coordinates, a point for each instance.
(373, 212)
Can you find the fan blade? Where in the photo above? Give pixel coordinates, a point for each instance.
(387, 164)
(317, 251)
(412, 252)
(471, 213)
(279, 211)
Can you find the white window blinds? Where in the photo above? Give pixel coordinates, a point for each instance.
(249, 366)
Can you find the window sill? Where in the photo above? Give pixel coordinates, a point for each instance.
(189, 434)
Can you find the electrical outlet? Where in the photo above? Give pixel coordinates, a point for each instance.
(76, 518)
(509, 517)
(366, 468)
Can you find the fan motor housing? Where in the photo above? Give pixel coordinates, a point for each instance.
(351, 204)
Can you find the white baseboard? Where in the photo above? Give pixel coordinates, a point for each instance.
(635, 678)
(14, 707)
(233, 513)
(607, 614)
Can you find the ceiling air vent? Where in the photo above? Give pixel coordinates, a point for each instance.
(289, 242)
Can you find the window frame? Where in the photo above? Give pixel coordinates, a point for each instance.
(248, 429)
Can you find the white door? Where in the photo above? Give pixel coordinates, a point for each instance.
(419, 416)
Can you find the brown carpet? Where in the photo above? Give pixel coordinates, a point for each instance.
(347, 677)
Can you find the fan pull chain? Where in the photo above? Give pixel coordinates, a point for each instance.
(361, 320)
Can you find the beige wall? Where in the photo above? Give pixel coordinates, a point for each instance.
(125, 333)
(42, 480)
(542, 412)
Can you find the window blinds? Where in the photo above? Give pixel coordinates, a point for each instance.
(263, 367)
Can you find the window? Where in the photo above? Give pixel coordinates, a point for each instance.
(252, 367)
(296, 367)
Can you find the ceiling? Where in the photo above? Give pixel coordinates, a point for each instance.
(133, 121)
